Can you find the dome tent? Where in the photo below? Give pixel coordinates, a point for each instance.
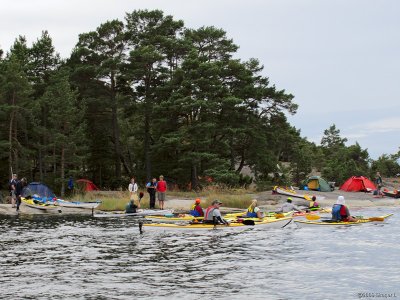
(86, 185)
(358, 184)
(316, 183)
(37, 188)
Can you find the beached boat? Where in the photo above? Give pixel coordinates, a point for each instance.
(393, 194)
(77, 204)
(293, 193)
(328, 222)
(268, 223)
(39, 205)
(139, 213)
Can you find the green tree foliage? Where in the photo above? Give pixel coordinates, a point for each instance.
(66, 132)
(148, 96)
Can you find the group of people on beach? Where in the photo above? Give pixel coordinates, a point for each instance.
(153, 187)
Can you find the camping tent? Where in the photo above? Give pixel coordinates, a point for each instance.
(358, 184)
(39, 189)
(86, 185)
(316, 183)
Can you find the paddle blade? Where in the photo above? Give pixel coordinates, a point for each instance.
(307, 197)
(313, 217)
(377, 219)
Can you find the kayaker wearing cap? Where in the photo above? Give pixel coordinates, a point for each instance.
(340, 212)
(213, 215)
(289, 206)
(196, 209)
(253, 211)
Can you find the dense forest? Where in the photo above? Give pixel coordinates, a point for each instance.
(148, 96)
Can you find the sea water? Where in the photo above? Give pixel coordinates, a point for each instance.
(66, 257)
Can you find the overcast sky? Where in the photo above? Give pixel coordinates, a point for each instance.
(339, 58)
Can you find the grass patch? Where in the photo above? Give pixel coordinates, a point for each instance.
(117, 200)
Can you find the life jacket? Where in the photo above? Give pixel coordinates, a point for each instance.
(250, 212)
(339, 212)
(194, 212)
(208, 215)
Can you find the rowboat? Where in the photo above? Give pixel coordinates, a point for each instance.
(327, 223)
(269, 223)
(39, 205)
(139, 213)
(77, 204)
(293, 193)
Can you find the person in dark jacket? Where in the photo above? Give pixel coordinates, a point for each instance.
(131, 207)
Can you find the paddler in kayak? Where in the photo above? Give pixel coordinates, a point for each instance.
(340, 212)
(288, 206)
(213, 215)
(314, 205)
(131, 207)
(253, 211)
(196, 210)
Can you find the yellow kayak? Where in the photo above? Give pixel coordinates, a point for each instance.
(174, 219)
(39, 204)
(270, 223)
(303, 223)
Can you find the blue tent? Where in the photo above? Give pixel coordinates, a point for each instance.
(39, 189)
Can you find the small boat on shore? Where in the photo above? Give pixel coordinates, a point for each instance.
(329, 222)
(32, 203)
(139, 213)
(77, 204)
(293, 193)
(393, 194)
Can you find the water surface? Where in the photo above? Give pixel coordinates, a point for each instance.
(67, 257)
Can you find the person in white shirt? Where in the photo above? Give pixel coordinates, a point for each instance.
(133, 188)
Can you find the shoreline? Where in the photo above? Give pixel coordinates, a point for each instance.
(266, 201)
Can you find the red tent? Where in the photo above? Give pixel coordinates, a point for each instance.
(358, 184)
(87, 185)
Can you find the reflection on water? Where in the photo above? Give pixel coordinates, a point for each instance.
(61, 257)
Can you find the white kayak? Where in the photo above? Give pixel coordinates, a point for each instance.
(139, 213)
(77, 204)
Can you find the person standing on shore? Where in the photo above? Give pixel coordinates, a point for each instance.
(151, 189)
(378, 183)
(18, 191)
(161, 190)
(133, 188)
(13, 185)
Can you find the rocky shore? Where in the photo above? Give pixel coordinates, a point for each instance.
(266, 201)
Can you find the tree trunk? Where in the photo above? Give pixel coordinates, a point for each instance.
(62, 171)
(117, 146)
(194, 181)
(10, 138)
